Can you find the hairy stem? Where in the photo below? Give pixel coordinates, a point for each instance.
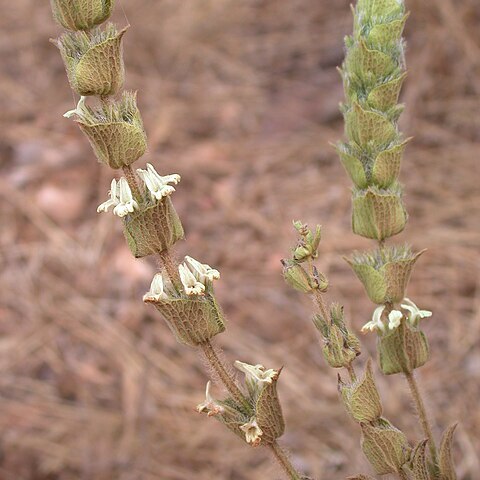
(351, 373)
(132, 182)
(171, 268)
(284, 461)
(422, 414)
(225, 377)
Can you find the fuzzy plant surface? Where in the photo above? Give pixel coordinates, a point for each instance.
(373, 73)
(181, 292)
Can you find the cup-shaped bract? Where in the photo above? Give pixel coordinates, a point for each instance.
(378, 213)
(153, 228)
(115, 131)
(385, 447)
(94, 61)
(361, 397)
(385, 272)
(192, 319)
(81, 14)
(403, 349)
(268, 411)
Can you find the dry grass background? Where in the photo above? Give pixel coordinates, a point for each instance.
(241, 98)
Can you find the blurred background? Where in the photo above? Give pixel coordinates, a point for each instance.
(241, 98)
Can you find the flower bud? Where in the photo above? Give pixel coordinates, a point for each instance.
(361, 398)
(115, 131)
(297, 277)
(94, 62)
(378, 214)
(307, 248)
(385, 273)
(403, 349)
(341, 346)
(385, 447)
(81, 14)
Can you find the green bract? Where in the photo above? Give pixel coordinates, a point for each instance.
(115, 131)
(192, 319)
(81, 14)
(153, 228)
(94, 61)
(385, 273)
(378, 213)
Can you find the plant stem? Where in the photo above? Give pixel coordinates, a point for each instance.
(351, 372)
(226, 378)
(132, 182)
(171, 268)
(422, 414)
(284, 461)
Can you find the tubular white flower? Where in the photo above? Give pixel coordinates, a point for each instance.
(127, 203)
(156, 184)
(256, 375)
(190, 284)
(253, 433)
(415, 314)
(113, 200)
(210, 406)
(394, 319)
(157, 290)
(376, 324)
(78, 110)
(202, 271)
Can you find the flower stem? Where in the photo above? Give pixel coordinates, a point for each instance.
(422, 414)
(284, 461)
(132, 182)
(225, 377)
(171, 268)
(351, 372)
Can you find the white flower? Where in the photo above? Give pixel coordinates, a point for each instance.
(77, 110)
(120, 197)
(209, 405)
(253, 432)
(394, 319)
(126, 203)
(112, 201)
(415, 314)
(376, 323)
(157, 291)
(190, 284)
(256, 376)
(156, 184)
(202, 271)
